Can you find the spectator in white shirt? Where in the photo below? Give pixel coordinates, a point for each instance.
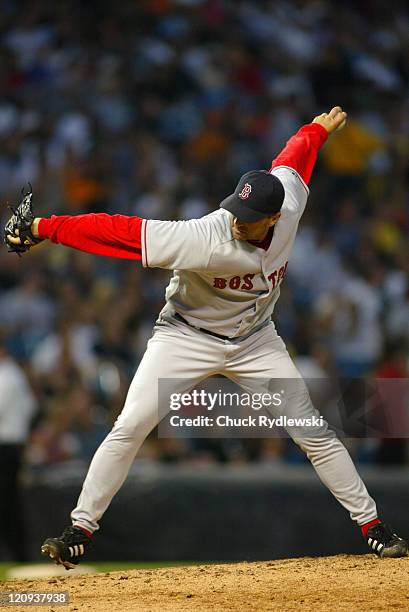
(17, 408)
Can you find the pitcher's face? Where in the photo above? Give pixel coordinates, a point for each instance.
(243, 230)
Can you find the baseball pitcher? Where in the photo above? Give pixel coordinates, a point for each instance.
(227, 270)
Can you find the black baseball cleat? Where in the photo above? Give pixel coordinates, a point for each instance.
(384, 543)
(68, 549)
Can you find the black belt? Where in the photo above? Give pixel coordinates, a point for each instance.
(210, 333)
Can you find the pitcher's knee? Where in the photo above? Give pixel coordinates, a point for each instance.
(130, 427)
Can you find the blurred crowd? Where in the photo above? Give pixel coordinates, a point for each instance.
(156, 108)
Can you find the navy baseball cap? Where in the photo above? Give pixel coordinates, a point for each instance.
(258, 194)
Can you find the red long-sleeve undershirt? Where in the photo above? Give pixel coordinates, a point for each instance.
(302, 149)
(120, 235)
(97, 233)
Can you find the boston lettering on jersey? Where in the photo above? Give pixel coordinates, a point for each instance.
(277, 276)
(245, 281)
(236, 282)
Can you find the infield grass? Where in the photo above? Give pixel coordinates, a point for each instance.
(113, 566)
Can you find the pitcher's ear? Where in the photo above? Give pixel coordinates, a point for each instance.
(274, 218)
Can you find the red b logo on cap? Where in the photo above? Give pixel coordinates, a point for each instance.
(245, 192)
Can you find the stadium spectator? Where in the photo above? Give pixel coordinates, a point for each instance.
(17, 409)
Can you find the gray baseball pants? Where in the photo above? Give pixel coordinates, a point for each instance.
(178, 351)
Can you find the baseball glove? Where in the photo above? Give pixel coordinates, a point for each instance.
(19, 225)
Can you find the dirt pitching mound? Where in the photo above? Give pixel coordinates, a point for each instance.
(343, 582)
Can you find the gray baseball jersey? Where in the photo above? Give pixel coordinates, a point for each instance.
(221, 284)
